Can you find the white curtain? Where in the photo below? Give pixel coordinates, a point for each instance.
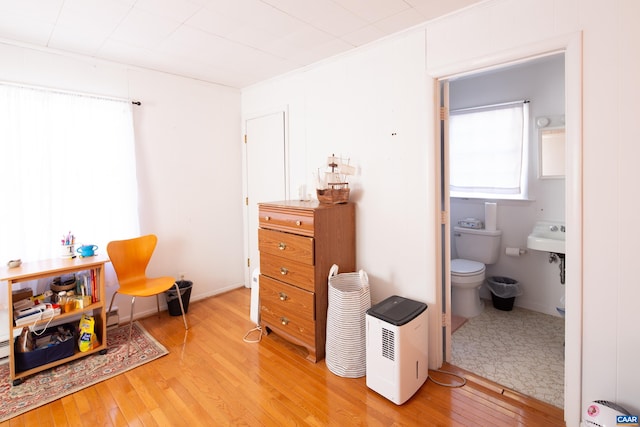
(67, 164)
(489, 151)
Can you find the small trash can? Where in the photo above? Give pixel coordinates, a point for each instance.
(172, 297)
(504, 291)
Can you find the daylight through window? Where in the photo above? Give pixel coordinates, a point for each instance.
(488, 149)
(67, 164)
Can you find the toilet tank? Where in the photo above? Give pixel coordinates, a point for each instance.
(477, 244)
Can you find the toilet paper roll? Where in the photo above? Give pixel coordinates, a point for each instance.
(490, 215)
(513, 251)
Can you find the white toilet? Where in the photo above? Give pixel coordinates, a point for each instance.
(475, 248)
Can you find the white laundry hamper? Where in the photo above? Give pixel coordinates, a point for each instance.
(349, 299)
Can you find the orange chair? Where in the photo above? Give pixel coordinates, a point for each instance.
(130, 259)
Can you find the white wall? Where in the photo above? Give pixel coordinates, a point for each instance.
(542, 82)
(354, 101)
(370, 106)
(610, 342)
(189, 156)
(611, 151)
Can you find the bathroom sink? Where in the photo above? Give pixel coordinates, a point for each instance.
(547, 236)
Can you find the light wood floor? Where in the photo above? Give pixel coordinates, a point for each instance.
(211, 377)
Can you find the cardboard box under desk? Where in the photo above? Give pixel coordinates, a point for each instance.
(38, 357)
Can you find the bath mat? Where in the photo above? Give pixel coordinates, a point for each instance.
(456, 322)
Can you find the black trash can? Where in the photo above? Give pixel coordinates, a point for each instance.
(504, 291)
(172, 297)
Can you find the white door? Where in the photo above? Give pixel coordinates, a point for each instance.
(266, 175)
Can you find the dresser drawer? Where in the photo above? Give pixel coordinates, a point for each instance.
(284, 298)
(287, 309)
(291, 221)
(290, 246)
(302, 330)
(286, 270)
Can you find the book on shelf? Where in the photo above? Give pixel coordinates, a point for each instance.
(93, 286)
(88, 285)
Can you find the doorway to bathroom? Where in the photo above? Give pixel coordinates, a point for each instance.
(541, 81)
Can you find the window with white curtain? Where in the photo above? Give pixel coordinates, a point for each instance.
(488, 149)
(67, 164)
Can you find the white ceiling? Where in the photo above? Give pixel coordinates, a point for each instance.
(230, 42)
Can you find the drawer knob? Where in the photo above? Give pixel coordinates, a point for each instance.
(284, 321)
(267, 218)
(283, 271)
(282, 246)
(298, 223)
(283, 296)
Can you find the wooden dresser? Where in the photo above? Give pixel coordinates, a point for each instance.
(299, 242)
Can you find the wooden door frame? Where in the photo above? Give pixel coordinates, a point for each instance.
(571, 46)
(245, 184)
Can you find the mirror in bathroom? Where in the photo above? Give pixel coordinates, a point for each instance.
(551, 146)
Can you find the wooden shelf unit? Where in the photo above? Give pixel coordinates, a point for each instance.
(50, 268)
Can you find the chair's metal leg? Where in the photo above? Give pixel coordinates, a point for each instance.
(158, 302)
(184, 318)
(111, 304)
(133, 302)
(113, 297)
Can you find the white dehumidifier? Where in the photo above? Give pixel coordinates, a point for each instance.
(397, 346)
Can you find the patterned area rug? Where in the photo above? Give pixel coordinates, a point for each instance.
(52, 384)
(520, 349)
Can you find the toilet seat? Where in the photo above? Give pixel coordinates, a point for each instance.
(466, 278)
(465, 267)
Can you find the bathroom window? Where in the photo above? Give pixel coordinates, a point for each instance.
(488, 149)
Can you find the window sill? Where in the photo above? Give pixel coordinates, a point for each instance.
(488, 197)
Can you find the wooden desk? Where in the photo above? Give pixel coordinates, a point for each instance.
(50, 268)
